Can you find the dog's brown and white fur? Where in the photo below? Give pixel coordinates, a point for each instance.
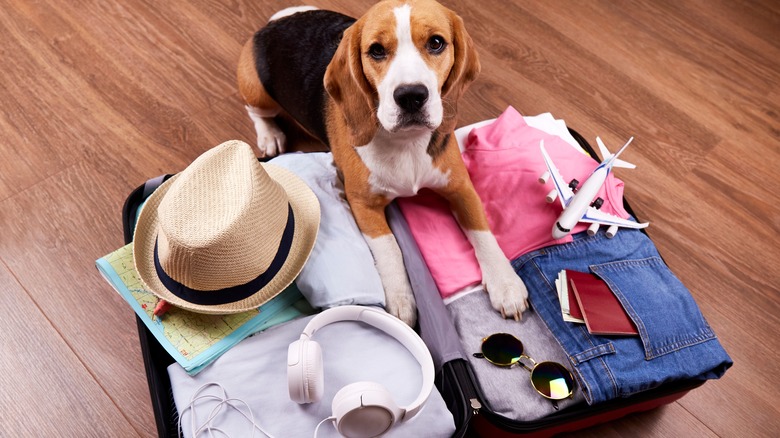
(393, 86)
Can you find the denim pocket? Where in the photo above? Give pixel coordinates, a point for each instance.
(662, 308)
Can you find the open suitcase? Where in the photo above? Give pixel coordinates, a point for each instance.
(455, 378)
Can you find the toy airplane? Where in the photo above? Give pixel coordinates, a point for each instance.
(578, 204)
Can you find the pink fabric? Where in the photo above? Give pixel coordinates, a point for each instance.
(504, 162)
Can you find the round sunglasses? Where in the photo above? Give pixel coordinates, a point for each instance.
(550, 379)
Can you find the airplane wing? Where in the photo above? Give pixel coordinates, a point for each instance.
(561, 186)
(593, 215)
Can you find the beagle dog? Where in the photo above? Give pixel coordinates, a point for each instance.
(381, 92)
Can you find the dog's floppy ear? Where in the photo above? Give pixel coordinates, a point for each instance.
(347, 85)
(464, 70)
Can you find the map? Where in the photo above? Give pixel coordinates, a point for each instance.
(192, 339)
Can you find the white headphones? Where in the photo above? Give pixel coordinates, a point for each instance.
(362, 409)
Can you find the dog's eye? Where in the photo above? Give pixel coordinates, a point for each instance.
(377, 52)
(436, 44)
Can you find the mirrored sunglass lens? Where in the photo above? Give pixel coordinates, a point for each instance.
(552, 380)
(502, 349)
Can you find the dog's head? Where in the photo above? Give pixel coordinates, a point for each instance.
(402, 66)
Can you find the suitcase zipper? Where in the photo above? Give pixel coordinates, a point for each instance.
(470, 392)
(475, 406)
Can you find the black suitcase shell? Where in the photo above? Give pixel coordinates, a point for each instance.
(455, 381)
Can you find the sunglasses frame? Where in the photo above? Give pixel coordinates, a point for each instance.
(530, 369)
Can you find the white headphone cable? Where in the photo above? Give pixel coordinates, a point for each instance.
(317, 429)
(223, 401)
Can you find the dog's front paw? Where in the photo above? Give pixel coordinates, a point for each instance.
(399, 302)
(507, 293)
(399, 298)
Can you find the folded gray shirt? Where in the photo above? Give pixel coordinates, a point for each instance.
(508, 391)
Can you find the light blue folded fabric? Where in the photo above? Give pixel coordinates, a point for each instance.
(341, 268)
(255, 371)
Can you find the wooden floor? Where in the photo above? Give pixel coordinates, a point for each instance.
(97, 96)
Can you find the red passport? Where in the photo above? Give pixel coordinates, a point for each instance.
(574, 305)
(602, 311)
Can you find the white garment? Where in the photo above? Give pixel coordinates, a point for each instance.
(255, 371)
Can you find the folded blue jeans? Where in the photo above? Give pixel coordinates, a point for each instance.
(674, 343)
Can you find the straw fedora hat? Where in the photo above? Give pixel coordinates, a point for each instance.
(226, 234)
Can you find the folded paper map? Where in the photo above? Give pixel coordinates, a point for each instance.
(193, 339)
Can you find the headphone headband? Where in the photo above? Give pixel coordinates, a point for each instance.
(393, 327)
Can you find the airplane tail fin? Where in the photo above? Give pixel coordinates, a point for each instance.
(606, 155)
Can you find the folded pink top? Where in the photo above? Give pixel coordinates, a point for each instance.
(504, 162)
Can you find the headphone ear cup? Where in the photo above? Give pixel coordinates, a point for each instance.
(305, 380)
(365, 409)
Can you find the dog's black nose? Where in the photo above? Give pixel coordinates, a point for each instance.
(411, 98)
